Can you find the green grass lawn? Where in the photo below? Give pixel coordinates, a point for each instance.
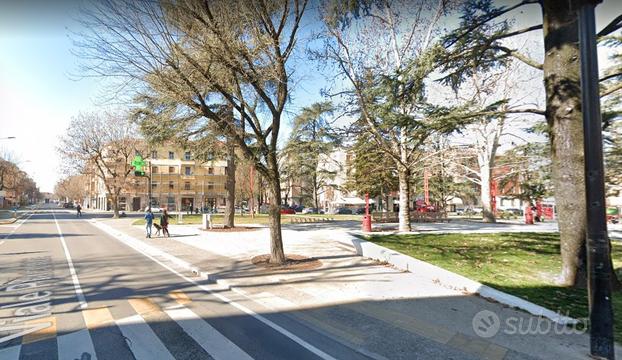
(258, 219)
(522, 264)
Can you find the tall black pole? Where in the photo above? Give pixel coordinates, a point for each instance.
(149, 185)
(598, 245)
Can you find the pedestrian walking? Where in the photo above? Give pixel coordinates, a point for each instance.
(79, 211)
(149, 220)
(164, 223)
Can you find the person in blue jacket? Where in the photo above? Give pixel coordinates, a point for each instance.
(149, 220)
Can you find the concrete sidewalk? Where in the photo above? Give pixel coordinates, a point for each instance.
(386, 312)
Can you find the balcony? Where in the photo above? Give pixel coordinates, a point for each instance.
(187, 177)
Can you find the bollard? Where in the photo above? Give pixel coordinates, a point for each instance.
(367, 223)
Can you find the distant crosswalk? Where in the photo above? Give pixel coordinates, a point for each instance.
(172, 332)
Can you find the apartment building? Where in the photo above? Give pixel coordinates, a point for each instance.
(177, 181)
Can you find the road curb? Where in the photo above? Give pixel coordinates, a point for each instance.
(448, 279)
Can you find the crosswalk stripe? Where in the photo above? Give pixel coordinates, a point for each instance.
(75, 345)
(10, 353)
(143, 342)
(180, 297)
(216, 344)
(43, 333)
(97, 317)
(143, 306)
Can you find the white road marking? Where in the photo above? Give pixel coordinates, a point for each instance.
(143, 342)
(216, 344)
(17, 227)
(75, 345)
(72, 271)
(133, 243)
(10, 352)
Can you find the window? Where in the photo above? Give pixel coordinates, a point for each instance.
(154, 154)
(210, 186)
(187, 185)
(225, 170)
(154, 169)
(171, 186)
(171, 155)
(188, 170)
(171, 169)
(153, 186)
(210, 171)
(187, 155)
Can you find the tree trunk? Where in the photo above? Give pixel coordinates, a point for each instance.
(316, 200)
(229, 218)
(277, 254)
(563, 115)
(404, 211)
(115, 206)
(485, 174)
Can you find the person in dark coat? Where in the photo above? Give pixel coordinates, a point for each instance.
(164, 223)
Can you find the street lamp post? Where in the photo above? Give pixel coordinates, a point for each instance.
(598, 244)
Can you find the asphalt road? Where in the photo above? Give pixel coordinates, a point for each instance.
(70, 291)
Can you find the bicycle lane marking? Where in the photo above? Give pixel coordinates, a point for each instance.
(72, 270)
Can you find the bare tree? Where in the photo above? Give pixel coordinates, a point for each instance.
(71, 188)
(482, 138)
(389, 48)
(102, 145)
(201, 55)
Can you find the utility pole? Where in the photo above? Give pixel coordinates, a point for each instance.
(149, 185)
(598, 244)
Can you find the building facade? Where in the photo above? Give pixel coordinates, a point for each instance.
(178, 182)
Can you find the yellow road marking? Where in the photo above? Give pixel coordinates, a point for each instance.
(350, 334)
(479, 347)
(180, 297)
(144, 306)
(97, 317)
(405, 322)
(42, 334)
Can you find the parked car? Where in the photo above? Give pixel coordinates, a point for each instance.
(155, 209)
(287, 210)
(360, 211)
(343, 211)
(297, 208)
(514, 211)
(68, 205)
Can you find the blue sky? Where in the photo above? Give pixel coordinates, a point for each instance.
(39, 95)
